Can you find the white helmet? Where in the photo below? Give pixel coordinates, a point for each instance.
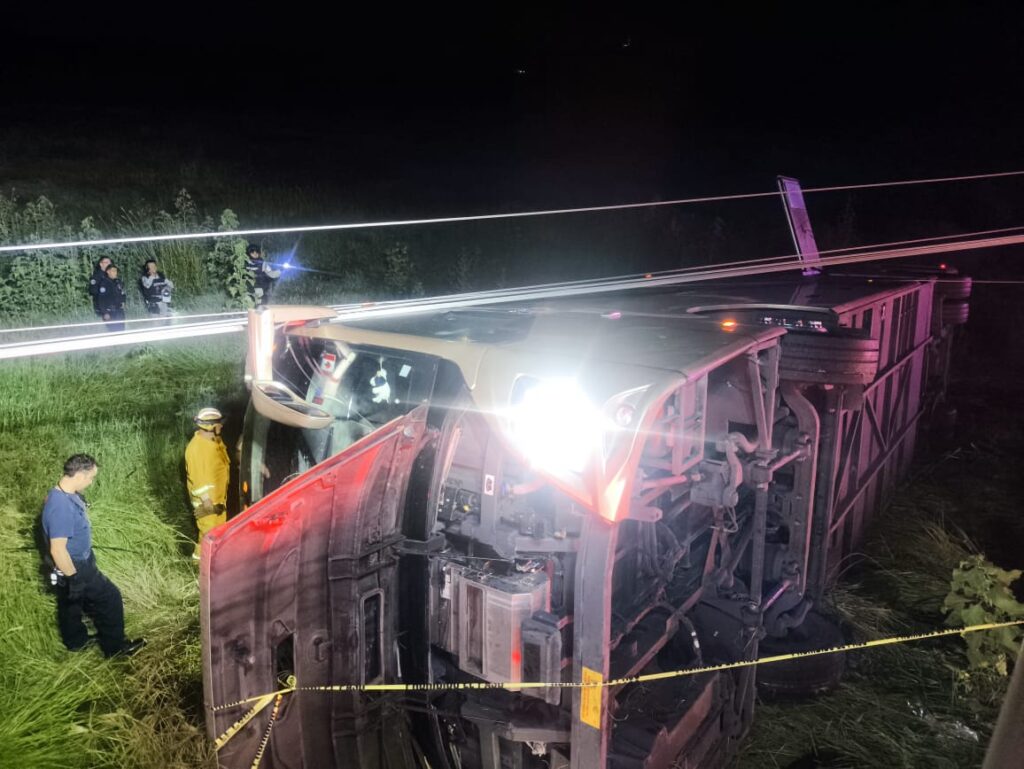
(207, 418)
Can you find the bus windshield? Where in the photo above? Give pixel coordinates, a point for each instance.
(362, 390)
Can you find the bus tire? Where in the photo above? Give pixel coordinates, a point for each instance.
(829, 359)
(955, 313)
(953, 288)
(803, 676)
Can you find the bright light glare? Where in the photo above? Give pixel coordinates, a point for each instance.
(555, 426)
(115, 339)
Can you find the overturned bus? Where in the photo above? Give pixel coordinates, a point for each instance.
(571, 490)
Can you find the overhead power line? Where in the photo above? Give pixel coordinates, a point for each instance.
(120, 241)
(477, 299)
(909, 182)
(232, 314)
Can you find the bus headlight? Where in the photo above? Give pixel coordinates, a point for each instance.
(554, 424)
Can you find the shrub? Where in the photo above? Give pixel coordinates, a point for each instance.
(53, 283)
(225, 264)
(400, 271)
(980, 593)
(462, 275)
(42, 282)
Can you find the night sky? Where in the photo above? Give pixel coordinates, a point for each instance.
(642, 102)
(517, 108)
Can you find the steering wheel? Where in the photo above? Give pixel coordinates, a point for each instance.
(359, 417)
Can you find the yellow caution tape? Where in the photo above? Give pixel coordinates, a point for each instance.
(235, 728)
(266, 735)
(590, 709)
(595, 680)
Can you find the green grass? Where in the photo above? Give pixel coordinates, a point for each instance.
(901, 706)
(908, 705)
(132, 412)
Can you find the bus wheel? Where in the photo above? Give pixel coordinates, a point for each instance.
(839, 359)
(803, 676)
(954, 288)
(955, 313)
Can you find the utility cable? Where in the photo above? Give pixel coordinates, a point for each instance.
(51, 246)
(612, 281)
(446, 303)
(157, 319)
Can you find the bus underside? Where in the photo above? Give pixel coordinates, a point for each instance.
(399, 537)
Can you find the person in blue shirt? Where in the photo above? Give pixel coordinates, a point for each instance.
(82, 587)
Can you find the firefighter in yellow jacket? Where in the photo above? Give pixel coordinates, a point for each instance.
(207, 469)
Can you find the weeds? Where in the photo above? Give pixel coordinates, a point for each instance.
(979, 593)
(225, 264)
(904, 705)
(52, 284)
(132, 412)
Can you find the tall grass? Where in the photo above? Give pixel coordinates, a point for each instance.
(899, 706)
(132, 412)
(902, 705)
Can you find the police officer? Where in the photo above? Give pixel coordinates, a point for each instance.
(207, 469)
(263, 274)
(156, 289)
(111, 299)
(99, 271)
(82, 587)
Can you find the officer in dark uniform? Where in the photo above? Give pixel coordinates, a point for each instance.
(156, 289)
(111, 299)
(81, 586)
(99, 271)
(263, 275)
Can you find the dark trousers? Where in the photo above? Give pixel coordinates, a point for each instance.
(101, 601)
(114, 319)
